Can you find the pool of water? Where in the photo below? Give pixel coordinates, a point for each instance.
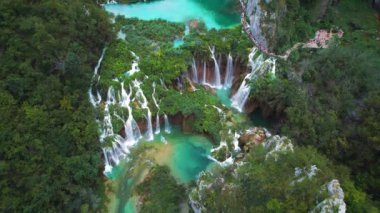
(189, 155)
(185, 155)
(224, 96)
(257, 119)
(178, 42)
(211, 13)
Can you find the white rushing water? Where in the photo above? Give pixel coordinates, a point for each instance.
(229, 72)
(217, 81)
(144, 104)
(259, 66)
(131, 129)
(167, 124)
(135, 65)
(157, 104)
(204, 79)
(195, 72)
(115, 147)
(96, 70)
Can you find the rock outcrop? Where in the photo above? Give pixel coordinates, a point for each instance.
(251, 137)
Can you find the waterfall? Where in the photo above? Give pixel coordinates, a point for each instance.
(273, 71)
(195, 71)
(158, 109)
(108, 166)
(163, 85)
(236, 142)
(92, 98)
(135, 65)
(229, 72)
(111, 96)
(96, 70)
(131, 129)
(118, 150)
(167, 124)
(221, 145)
(107, 129)
(158, 130)
(217, 81)
(220, 111)
(259, 66)
(94, 102)
(144, 104)
(204, 80)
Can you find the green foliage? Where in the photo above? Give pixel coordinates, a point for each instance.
(198, 103)
(160, 191)
(264, 184)
(294, 23)
(49, 156)
(152, 42)
(329, 98)
(267, 191)
(225, 41)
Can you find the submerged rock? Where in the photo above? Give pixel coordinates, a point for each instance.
(251, 137)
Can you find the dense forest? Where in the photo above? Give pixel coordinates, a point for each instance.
(49, 157)
(329, 98)
(326, 102)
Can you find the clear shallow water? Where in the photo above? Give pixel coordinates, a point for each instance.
(177, 43)
(185, 155)
(189, 155)
(224, 96)
(176, 11)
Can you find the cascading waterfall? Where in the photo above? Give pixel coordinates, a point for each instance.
(158, 130)
(144, 104)
(94, 102)
(92, 98)
(217, 81)
(158, 109)
(135, 65)
(163, 85)
(131, 129)
(118, 151)
(111, 96)
(167, 124)
(220, 111)
(195, 71)
(96, 70)
(241, 96)
(259, 66)
(229, 72)
(204, 79)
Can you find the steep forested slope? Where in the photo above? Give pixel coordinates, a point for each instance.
(329, 98)
(49, 154)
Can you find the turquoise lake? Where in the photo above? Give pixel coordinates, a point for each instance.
(212, 13)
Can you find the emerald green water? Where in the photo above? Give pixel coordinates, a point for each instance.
(257, 119)
(130, 206)
(185, 154)
(178, 42)
(224, 96)
(189, 156)
(186, 159)
(213, 13)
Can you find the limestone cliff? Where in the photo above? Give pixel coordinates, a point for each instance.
(273, 24)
